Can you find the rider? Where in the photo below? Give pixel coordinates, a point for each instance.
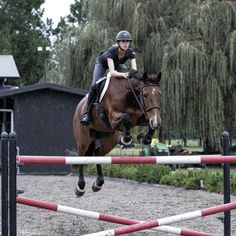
(112, 59)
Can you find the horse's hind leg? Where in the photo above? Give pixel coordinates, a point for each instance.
(80, 187)
(97, 185)
(102, 149)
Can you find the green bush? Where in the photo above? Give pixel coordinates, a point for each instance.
(151, 173)
(233, 185)
(205, 179)
(195, 179)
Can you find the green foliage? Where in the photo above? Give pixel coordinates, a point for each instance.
(233, 186)
(204, 179)
(141, 173)
(5, 42)
(197, 179)
(152, 174)
(192, 42)
(22, 33)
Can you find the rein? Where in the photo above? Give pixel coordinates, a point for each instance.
(141, 103)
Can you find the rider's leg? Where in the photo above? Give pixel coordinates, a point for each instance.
(98, 72)
(87, 117)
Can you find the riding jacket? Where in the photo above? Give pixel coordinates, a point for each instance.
(101, 64)
(112, 53)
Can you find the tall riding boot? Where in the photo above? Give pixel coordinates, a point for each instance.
(87, 117)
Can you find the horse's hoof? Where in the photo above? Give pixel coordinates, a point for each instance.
(96, 188)
(79, 192)
(147, 141)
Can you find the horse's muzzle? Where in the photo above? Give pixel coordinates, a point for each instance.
(155, 122)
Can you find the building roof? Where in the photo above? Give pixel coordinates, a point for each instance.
(11, 91)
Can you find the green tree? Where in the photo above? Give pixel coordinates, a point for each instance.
(5, 42)
(23, 31)
(193, 43)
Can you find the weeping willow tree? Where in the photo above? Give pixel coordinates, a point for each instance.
(197, 76)
(193, 43)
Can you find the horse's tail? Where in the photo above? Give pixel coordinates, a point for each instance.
(80, 109)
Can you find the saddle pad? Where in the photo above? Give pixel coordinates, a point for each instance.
(107, 78)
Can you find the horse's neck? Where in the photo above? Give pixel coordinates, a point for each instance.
(132, 84)
(126, 92)
(129, 86)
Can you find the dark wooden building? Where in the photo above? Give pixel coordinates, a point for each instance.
(41, 115)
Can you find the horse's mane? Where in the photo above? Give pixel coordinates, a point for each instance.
(142, 76)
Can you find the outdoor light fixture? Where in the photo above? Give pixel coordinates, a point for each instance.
(8, 69)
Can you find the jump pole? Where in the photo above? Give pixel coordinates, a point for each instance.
(166, 220)
(83, 160)
(217, 159)
(103, 217)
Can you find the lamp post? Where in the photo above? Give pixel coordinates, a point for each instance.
(44, 51)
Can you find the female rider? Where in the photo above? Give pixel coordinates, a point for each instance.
(112, 59)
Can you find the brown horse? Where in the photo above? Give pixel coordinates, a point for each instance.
(126, 103)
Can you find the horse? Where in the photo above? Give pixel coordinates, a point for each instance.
(127, 103)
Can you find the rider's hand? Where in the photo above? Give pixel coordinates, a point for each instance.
(126, 75)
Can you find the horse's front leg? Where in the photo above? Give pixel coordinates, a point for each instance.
(147, 139)
(80, 188)
(99, 181)
(126, 139)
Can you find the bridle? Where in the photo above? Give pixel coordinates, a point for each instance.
(141, 101)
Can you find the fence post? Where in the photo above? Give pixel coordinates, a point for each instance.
(5, 188)
(12, 183)
(227, 220)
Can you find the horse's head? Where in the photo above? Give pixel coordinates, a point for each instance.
(151, 98)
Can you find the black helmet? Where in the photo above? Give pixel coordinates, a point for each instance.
(123, 35)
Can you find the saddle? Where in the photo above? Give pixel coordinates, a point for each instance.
(102, 86)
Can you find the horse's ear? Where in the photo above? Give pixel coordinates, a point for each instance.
(145, 76)
(132, 73)
(158, 77)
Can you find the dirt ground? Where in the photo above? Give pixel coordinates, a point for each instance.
(118, 197)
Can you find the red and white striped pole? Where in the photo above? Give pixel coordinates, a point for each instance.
(166, 221)
(103, 217)
(82, 160)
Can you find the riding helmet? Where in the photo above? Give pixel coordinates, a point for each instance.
(123, 35)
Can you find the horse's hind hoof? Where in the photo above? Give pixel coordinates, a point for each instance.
(79, 192)
(96, 188)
